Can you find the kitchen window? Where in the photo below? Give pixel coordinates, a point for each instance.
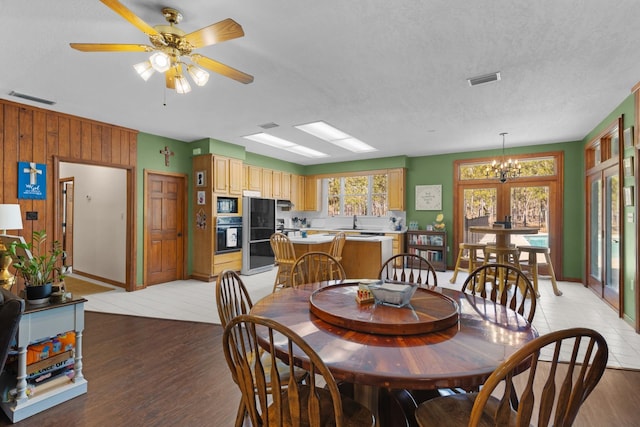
(357, 195)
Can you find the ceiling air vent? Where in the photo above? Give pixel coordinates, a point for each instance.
(31, 98)
(269, 125)
(487, 78)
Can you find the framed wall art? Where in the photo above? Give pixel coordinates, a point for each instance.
(201, 178)
(628, 196)
(202, 198)
(627, 136)
(627, 162)
(428, 197)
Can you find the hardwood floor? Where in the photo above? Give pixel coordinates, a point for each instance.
(155, 372)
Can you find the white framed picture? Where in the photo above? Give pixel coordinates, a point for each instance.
(428, 197)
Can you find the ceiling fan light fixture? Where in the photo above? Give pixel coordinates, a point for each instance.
(160, 61)
(182, 84)
(198, 75)
(144, 70)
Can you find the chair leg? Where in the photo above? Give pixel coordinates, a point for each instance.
(455, 269)
(241, 414)
(533, 267)
(556, 291)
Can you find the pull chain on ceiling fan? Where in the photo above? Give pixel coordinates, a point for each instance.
(170, 45)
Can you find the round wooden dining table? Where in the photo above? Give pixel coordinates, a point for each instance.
(462, 355)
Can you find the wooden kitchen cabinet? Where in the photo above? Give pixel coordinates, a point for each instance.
(227, 173)
(276, 186)
(311, 193)
(254, 178)
(267, 183)
(285, 186)
(396, 193)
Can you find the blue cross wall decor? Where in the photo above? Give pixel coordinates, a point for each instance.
(32, 180)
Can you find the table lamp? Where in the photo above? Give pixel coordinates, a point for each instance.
(10, 219)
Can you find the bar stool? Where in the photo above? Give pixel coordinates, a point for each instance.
(468, 252)
(502, 255)
(285, 257)
(531, 266)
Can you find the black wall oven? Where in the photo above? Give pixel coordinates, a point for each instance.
(228, 234)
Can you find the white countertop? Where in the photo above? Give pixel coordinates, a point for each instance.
(360, 230)
(315, 239)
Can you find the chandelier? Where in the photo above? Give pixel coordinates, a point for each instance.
(503, 169)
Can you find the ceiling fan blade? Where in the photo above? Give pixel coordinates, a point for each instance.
(215, 33)
(121, 10)
(110, 47)
(220, 68)
(170, 77)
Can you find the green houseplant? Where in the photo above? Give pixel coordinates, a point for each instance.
(42, 268)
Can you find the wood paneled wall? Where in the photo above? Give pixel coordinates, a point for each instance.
(30, 134)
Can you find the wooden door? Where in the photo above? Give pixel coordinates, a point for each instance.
(165, 207)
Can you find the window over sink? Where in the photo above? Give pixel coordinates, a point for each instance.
(357, 195)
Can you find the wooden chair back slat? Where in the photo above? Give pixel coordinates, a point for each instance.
(410, 268)
(517, 291)
(315, 267)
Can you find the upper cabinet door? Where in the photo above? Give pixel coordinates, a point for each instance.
(396, 189)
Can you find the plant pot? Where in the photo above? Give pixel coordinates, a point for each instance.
(38, 294)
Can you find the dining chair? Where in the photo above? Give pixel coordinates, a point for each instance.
(317, 402)
(285, 256)
(563, 369)
(337, 244)
(504, 284)
(233, 300)
(314, 267)
(410, 268)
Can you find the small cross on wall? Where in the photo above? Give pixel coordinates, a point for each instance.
(167, 153)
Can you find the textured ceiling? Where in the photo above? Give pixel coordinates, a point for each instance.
(391, 73)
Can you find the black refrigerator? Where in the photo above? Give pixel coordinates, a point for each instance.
(258, 223)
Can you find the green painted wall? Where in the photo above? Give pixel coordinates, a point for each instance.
(150, 159)
(440, 170)
(358, 165)
(271, 163)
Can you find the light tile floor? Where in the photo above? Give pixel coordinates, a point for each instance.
(193, 300)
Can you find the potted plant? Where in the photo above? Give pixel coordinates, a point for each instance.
(38, 266)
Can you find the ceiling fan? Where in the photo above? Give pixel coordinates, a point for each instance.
(171, 45)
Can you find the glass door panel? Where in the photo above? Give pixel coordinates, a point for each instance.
(612, 237)
(595, 233)
(530, 208)
(479, 207)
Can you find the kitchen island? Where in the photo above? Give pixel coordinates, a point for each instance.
(362, 255)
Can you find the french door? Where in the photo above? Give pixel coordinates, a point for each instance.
(603, 263)
(528, 203)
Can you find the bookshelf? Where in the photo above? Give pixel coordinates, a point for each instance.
(431, 245)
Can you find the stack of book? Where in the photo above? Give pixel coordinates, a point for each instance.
(49, 363)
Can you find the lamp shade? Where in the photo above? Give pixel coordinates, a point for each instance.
(10, 218)
(160, 61)
(144, 69)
